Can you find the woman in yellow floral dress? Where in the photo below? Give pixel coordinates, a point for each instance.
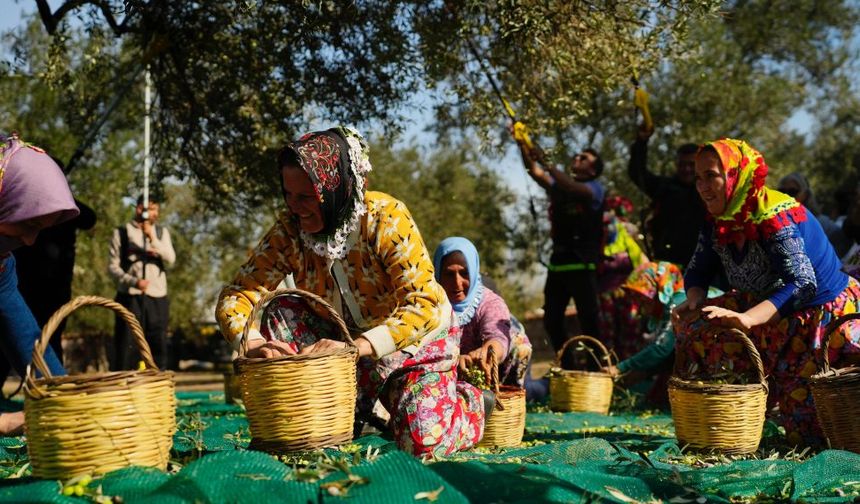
(361, 251)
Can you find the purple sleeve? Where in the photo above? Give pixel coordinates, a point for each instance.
(495, 321)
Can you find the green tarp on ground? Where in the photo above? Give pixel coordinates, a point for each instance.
(571, 457)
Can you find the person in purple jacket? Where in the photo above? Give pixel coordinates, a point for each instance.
(34, 195)
(482, 315)
(786, 279)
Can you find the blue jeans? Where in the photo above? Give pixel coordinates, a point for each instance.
(18, 328)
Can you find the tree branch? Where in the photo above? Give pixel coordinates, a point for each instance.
(51, 20)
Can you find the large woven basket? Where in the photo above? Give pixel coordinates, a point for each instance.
(96, 423)
(837, 396)
(507, 422)
(576, 390)
(232, 390)
(721, 417)
(299, 402)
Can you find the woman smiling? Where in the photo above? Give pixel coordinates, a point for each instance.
(786, 277)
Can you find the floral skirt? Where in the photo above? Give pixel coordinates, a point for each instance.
(431, 413)
(791, 351)
(620, 327)
(512, 370)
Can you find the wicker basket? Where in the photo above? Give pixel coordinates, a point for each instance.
(232, 390)
(837, 396)
(299, 402)
(96, 423)
(722, 417)
(508, 421)
(572, 390)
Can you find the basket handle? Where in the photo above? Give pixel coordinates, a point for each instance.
(591, 339)
(752, 351)
(64, 311)
(494, 376)
(828, 333)
(270, 295)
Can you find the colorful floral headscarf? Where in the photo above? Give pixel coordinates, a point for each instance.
(661, 280)
(337, 163)
(466, 308)
(753, 210)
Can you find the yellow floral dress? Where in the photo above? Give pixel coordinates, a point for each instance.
(400, 308)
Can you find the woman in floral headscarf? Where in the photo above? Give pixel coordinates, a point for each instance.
(619, 313)
(361, 251)
(34, 195)
(656, 288)
(482, 315)
(787, 277)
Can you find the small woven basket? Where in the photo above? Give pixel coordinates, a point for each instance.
(96, 423)
(299, 402)
(837, 396)
(508, 421)
(574, 390)
(721, 417)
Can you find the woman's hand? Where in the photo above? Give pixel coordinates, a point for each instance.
(688, 311)
(685, 312)
(12, 424)
(611, 370)
(728, 318)
(481, 356)
(363, 345)
(464, 363)
(268, 349)
(322, 346)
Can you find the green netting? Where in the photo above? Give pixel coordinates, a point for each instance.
(394, 477)
(33, 491)
(133, 482)
(570, 457)
(233, 476)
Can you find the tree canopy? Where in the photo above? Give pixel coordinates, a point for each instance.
(234, 80)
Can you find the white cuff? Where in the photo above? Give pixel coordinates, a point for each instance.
(381, 341)
(253, 334)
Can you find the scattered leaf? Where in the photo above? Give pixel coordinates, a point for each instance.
(618, 494)
(431, 495)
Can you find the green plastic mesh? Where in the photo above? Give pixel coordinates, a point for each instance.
(394, 477)
(232, 476)
(26, 492)
(570, 457)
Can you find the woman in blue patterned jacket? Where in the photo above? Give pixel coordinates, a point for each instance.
(786, 279)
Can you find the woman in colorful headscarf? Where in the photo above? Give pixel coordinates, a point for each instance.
(618, 315)
(787, 277)
(656, 288)
(482, 315)
(361, 251)
(34, 195)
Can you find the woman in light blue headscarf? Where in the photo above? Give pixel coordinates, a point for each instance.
(484, 318)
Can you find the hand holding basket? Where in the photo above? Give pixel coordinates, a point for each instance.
(299, 402)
